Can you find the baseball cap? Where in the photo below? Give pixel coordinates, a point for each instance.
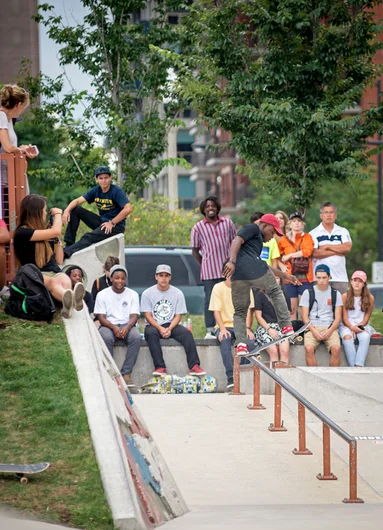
(359, 274)
(102, 170)
(116, 268)
(163, 268)
(270, 219)
(296, 215)
(323, 268)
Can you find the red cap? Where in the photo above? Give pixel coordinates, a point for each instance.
(270, 219)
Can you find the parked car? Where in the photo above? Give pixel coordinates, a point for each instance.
(141, 263)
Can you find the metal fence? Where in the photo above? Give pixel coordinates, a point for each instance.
(13, 188)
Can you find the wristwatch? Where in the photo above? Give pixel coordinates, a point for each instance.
(113, 224)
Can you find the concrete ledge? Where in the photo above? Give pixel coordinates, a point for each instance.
(211, 361)
(92, 259)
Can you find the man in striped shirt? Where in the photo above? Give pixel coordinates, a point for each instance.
(211, 241)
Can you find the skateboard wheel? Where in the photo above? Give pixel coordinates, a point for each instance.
(23, 480)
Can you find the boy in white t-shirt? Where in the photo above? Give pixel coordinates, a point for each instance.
(117, 309)
(163, 306)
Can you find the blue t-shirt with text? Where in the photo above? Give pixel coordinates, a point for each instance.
(109, 204)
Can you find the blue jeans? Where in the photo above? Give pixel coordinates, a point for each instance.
(209, 315)
(357, 356)
(227, 354)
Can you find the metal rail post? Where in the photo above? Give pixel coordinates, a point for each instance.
(237, 376)
(302, 449)
(256, 390)
(277, 426)
(327, 475)
(353, 499)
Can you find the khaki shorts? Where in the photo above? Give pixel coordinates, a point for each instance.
(333, 340)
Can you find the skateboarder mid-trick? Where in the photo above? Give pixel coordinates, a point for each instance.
(246, 270)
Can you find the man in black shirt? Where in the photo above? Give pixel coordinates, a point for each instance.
(246, 270)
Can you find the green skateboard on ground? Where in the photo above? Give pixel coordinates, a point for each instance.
(175, 384)
(20, 470)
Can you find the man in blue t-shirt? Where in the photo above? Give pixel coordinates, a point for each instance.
(113, 206)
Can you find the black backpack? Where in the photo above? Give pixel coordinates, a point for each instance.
(29, 298)
(312, 298)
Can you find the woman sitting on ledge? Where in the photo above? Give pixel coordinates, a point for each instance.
(5, 238)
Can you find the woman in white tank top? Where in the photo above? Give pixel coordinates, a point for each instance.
(358, 304)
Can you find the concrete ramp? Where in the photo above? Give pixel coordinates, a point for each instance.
(351, 397)
(138, 485)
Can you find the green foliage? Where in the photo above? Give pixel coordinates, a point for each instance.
(151, 223)
(356, 203)
(129, 84)
(291, 69)
(42, 419)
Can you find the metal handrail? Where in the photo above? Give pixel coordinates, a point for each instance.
(303, 403)
(312, 408)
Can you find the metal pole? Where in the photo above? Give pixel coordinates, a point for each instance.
(256, 390)
(327, 475)
(302, 432)
(237, 376)
(380, 193)
(353, 475)
(277, 426)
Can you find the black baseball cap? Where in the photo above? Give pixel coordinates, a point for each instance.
(296, 215)
(102, 170)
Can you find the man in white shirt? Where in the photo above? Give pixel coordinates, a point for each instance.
(324, 312)
(117, 309)
(163, 306)
(331, 244)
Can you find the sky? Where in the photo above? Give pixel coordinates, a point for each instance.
(72, 12)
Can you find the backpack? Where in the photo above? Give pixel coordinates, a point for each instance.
(29, 298)
(312, 298)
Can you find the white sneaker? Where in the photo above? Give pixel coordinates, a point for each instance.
(78, 296)
(67, 302)
(209, 336)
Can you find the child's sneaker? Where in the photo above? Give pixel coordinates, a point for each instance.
(67, 301)
(160, 371)
(241, 349)
(196, 370)
(287, 330)
(78, 295)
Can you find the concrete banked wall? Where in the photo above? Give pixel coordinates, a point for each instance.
(139, 487)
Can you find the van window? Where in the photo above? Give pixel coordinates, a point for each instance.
(142, 268)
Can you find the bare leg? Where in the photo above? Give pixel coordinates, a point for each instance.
(310, 356)
(335, 356)
(273, 353)
(294, 305)
(57, 285)
(284, 350)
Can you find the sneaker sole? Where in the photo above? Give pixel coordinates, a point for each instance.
(195, 373)
(156, 373)
(67, 302)
(229, 387)
(243, 353)
(78, 293)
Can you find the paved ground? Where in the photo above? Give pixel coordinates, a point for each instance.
(235, 474)
(13, 521)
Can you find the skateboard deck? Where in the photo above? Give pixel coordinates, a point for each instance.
(20, 470)
(174, 384)
(256, 351)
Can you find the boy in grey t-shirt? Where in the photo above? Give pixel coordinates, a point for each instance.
(163, 305)
(324, 321)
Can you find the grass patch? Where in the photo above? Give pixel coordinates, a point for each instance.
(42, 418)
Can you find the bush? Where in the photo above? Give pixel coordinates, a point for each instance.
(152, 223)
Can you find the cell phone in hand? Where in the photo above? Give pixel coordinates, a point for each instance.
(361, 327)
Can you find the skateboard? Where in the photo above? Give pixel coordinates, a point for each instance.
(174, 384)
(256, 351)
(20, 470)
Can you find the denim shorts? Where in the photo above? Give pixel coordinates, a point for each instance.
(294, 290)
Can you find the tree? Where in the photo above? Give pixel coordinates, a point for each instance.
(289, 70)
(360, 219)
(129, 85)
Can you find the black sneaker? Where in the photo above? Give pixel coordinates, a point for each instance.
(230, 383)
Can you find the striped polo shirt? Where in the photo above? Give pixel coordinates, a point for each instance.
(214, 242)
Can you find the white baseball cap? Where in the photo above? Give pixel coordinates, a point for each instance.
(163, 268)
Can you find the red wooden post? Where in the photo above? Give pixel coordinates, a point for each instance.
(256, 390)
(327, 475)
(302, 449)
(353, 499)
(237, 376)
(277, 426)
